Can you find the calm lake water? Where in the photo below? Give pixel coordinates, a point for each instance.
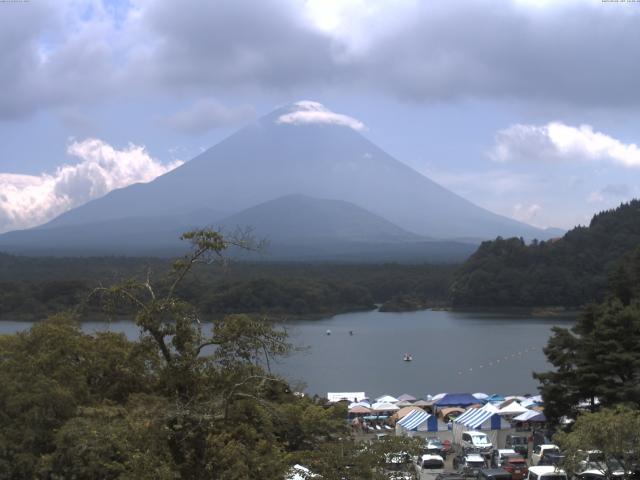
(452, 351)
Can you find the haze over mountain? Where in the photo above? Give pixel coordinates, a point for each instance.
(301, 149)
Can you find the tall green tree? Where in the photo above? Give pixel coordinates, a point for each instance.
(597, 362)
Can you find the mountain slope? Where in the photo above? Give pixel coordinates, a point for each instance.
(570, 271)
(296, 219)
(270, 158)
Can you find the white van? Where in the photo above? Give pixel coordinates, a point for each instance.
(476, 441)
(547, 472)
(433, 464)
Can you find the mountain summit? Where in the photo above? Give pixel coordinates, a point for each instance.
(301, 149)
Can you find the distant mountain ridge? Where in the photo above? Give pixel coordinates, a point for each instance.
(271, 159)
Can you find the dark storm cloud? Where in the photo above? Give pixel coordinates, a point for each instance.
(574, 53)
(229, 43)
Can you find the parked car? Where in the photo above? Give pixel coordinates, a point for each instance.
(546, 472)
(493, 474)
(469, 465)
(540, 451)
(519, 443)
(476, 441)
(433, 464)
(500, 454)
(517, 466)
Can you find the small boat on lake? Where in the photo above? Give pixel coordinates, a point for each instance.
(407, 357)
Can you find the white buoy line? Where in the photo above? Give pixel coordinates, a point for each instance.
(501, 360)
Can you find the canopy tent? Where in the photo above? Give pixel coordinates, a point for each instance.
(386, 399)
(444, 412)
(540, 417)
(384, 407)
(475, 418)
(405, 397)
(495, 398)
(529, 402)
(456, 400)
(422, 403)
(514, 408)
(525, 416)
(490, 407)
(404, 403)
(403, 412)
(481, 396)
(349, 396)
(437, 396)
(417, 420)
(360, 409)
(362, 403)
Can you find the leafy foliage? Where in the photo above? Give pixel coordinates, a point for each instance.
(571, 271)
(612, 432)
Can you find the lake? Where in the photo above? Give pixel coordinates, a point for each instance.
(452, 351)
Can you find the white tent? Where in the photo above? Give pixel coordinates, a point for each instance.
(528, 402)
(384, 407)
(514, 408)
(437, 397)
(362, 403)
(490, 407)
(387, 399)
(481, 396)
(524, 416)
(350, 396)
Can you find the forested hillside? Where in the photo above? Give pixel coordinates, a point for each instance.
(32, 287)
(570, 271)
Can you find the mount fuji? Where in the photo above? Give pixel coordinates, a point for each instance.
(303, 168)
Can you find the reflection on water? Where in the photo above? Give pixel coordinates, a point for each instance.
(451, 351)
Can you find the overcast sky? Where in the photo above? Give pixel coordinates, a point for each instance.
(528, 108)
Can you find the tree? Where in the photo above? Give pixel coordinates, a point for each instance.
(613, 432)
(597, 359)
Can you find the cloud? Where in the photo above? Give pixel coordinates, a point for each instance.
(526, 213)
(307, 111)
(207, 114)
(29, 200)
(559, 142)
(67, 53)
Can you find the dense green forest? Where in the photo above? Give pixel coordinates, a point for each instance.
(571, 271)
(31, 287)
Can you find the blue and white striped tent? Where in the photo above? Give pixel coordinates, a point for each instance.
(480, 418)
(418, 419)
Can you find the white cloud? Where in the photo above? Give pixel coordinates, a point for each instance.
(207, 114)
(29, 200)
(307, 111)
(526, 213)
(559, 142)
